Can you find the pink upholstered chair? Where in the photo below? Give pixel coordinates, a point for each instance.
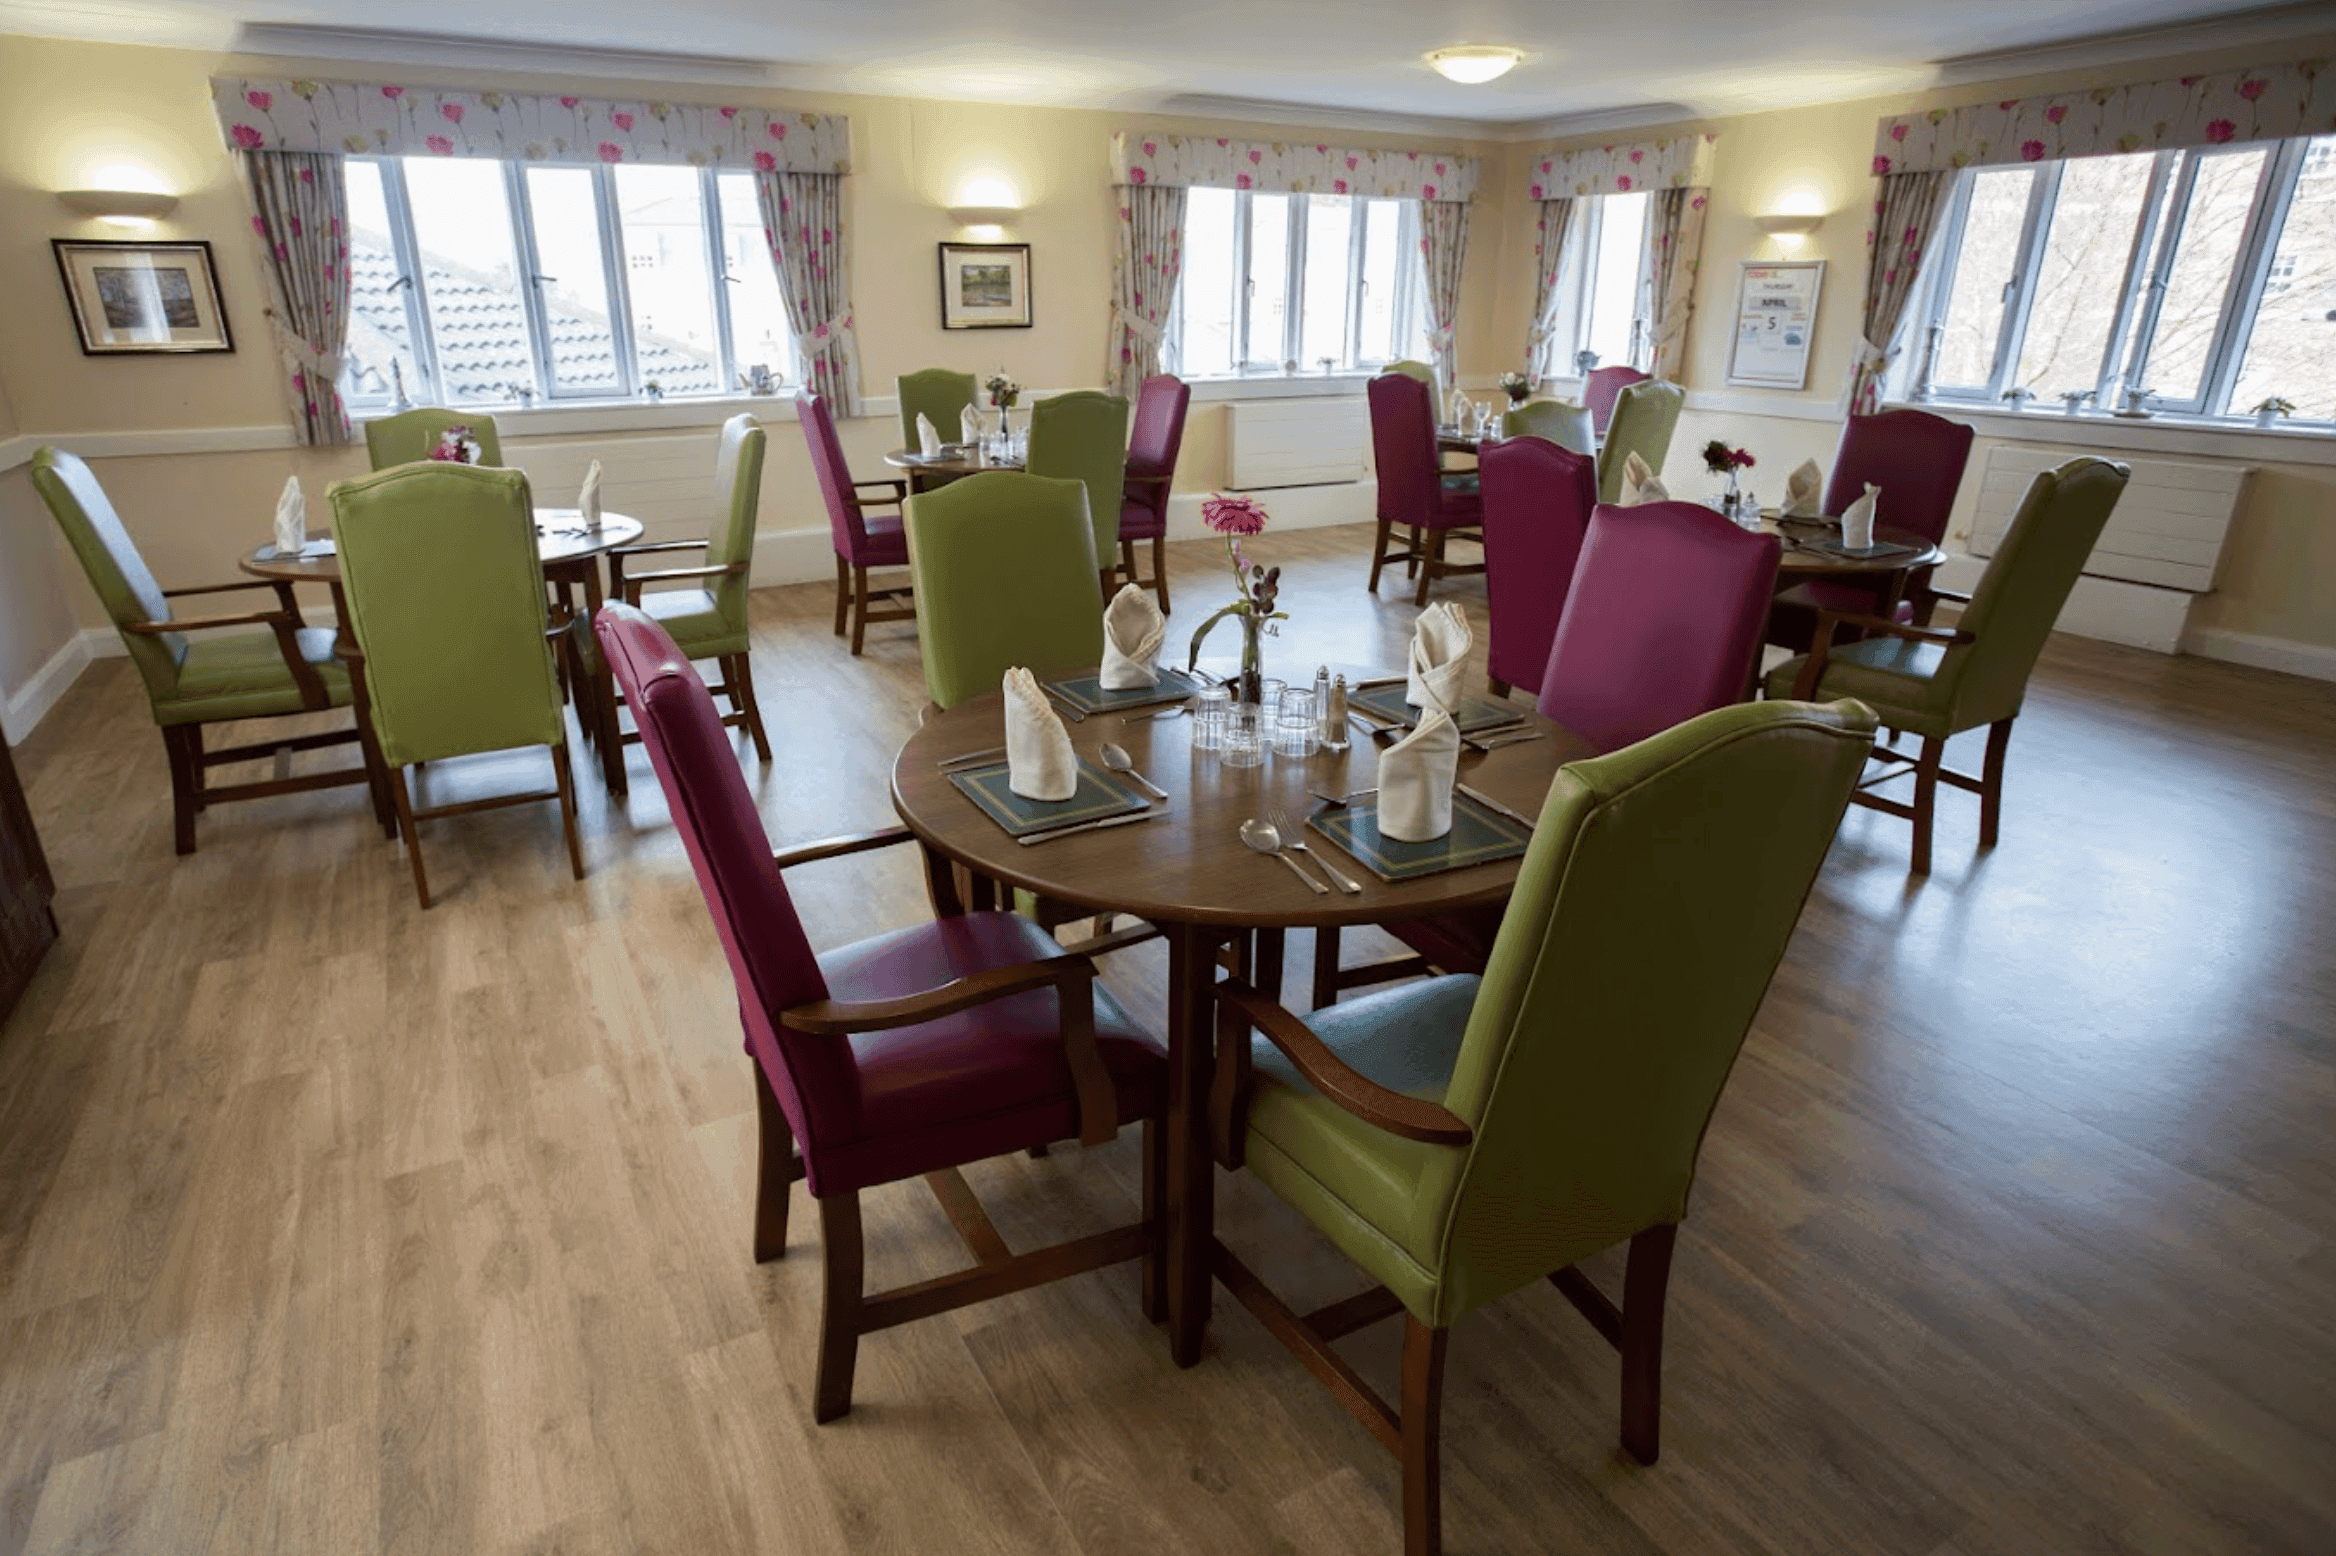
(911, 1053)
(1413, 490)
(1603, 387)
(1537, 502)
(862, 540)
(1917, 459)
(1152, 446)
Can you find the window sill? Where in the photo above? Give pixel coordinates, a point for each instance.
(2163, 434)
(1300, 386)
(622, 415)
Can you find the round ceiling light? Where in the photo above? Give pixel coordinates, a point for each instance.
(1473, 64)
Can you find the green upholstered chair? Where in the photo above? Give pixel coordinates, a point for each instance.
(1003, 564)
(935, 392)
(453, 654)
(1936, 682)
(1556, 421)
(195, 672)
(411, 435)
(1083, 435)
(1461, 1138)
(1426, 375)
(1644, 415)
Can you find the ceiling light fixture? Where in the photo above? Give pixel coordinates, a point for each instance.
(1473, 64)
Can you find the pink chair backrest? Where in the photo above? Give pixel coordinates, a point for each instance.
(1403, 446)
(835, 477)
(1917, 460)
(1604, 386)
(1156, 439)
(1537, 502)
(1664, 621)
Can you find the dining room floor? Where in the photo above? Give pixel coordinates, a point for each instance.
(328, 1224)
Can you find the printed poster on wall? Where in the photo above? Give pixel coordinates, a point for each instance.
(1776, 315)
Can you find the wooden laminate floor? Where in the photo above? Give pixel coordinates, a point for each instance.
(328, 1225)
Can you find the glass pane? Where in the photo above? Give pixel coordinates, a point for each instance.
(1269, 279)
(1983, 269)
(759, 331)
(2200, 276)
(1330, 221)
(478, 322)
(2086, 251)
(1206, 290)
(574, 283)
(664, 217)
(1382, 239)
(2291, 353)
(380, 350)
(1613, 299)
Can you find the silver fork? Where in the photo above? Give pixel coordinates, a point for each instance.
(1295, 837)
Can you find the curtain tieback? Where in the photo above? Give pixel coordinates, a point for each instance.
(828, 334)
(1871, 355)
(299, 356)
(1139, 326)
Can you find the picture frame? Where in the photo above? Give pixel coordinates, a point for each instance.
(985, 286)
(1776, 322)
(135, 298)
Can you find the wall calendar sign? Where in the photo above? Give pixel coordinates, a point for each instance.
(1776, 316)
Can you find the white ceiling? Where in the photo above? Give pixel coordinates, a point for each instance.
(1336, 61)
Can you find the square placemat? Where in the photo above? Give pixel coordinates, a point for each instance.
(1478, 836)
(1098, 796)
(1086, 693)
(1474, 713)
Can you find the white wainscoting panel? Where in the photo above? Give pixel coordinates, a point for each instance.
(1318, 442)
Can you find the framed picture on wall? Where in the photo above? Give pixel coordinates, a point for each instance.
(131, 297)
(985, 286)
(1776, 318)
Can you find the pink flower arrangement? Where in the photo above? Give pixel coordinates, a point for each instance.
(453, 446)
(1233, 515)
(1257, 587)
(1720, 459)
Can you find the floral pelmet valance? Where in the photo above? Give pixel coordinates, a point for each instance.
(2274, 102)
(1668, 162)
(1289, 167)
(386, 119)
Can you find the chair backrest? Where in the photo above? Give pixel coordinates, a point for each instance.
(2027, 581)
(116, 571)
(1424, 373)
(1558, 421)
(845, 526)
(1003, 564)
(1649, 914)
(1156, 439)
(771, 960)
(738, 479)
(445, 592)
(1644, 415)
(1664, 621)
(411, 435)
(1083, 436)
(1917, 460)
(934, 392)
(1537, 502)
(1601, 388)
(1403, 448)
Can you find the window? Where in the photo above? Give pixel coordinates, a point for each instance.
(1597, 305)
(480, 283)
(1312, 279)
(2204, 278)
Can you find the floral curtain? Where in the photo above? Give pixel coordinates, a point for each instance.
(300, 209)
(1443, 247)
(1905, 217)
(1668, 162)
(1215, 162)
(1551, 230)
(1668, 282)
(1146, 259)
(803, 221)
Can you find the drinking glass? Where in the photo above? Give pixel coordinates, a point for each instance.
(1294, 731)
(1269, 698)
(1243, 744)
(1208, 717)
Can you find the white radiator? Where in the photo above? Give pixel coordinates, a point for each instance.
(666, 480)
(1315, 442)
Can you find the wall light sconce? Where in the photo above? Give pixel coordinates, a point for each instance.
(122, 207)
(984, 215)
(1789, 229)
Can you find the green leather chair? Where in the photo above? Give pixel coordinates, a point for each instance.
(1003, 564)
(195, 674)
(1556, 421)
(1461, 1138)
(1644, 416)
(935, 392)
(1937, 682)
(453, 652)
(411, 435)
(1083, 436)
(1426, 375)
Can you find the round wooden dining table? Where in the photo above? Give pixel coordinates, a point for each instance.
(1805, 558)
(940, 469)
(1188, 873)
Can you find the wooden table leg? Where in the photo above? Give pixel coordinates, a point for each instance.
(1191, 1208)
(603, 691)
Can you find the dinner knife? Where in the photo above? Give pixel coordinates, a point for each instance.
(1489, 803)
(971, 758)
(1087, 826)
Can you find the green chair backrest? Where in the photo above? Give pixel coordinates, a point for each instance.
(411, 435)
(1003, 565)
(1644, 414)
(1559, 421)
(1649, 915)
(124, 587)
(738, 478)
(938, 393)
(1083, 435)
(445, 594)
(1426, 375)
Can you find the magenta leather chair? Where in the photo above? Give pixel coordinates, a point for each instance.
(1414, 491)
(1603, 387)
(1537, 503)
(862, 540)
(911, 1053)
(1152, 446)
(1917, 459)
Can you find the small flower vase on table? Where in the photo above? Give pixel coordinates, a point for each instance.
(1236, 518)
(1730, 463)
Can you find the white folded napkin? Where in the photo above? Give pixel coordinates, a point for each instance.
(1132, 630)
(1802, 490)
(1639, 483)
(928, 436)
(588, 500)
(969, 427)
(291, 518)
(1040, 764)
(1415, 780)
(1857, 525)
(1440, 641)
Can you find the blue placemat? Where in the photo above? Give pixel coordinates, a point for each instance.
(1086, 693)
(1478, 836)
(1475, 713)
(1099, 795)
(1858, 553)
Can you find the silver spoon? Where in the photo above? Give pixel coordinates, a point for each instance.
(1297, 844)
(1261, 836)
(1116, 758)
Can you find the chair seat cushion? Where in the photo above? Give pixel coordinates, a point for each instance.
(980, 1083)
(691, 619)
(1462, 502)
(1898, 677)
(886, 545)
(235, 675)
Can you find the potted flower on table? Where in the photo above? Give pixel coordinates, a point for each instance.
(1518, 387)
(1720, 459)
(457, 445)
(1257, 589)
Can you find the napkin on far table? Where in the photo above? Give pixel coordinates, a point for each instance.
(928, 436)
(291, 518)
(1040, 764)
(1440, 641)
(1415, 780)
(588, 500)
(1639, 483)
(1802, 490)
(969, 427)
(1132, 630)
(1857, 525)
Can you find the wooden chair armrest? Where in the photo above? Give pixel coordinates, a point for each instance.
(1821, 646)
(202, 623)
(629, 584)
(225, 588)
(658, 545)
(837, 847)
(1408, 1117)
(899, 488)
(286, 625)
(1952, 596)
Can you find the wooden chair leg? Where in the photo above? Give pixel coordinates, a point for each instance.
(1999, 739)
(839, 1314)
(738, 669)
(779, 1168)
(1412, 560)
(183, 743)
(843, 594)
(1325, 967)
(1160, 570)
(1431, 567)
(566, 777)
(1155, 1265)
(1926, 799)
(406, 830)
(1500, 688)
(859, 610)
(1127, 558)
(1379, 554)
(1422, 1422)
(1645, 1280)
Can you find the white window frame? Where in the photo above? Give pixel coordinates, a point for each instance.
(1409, 299)
(1577, 279)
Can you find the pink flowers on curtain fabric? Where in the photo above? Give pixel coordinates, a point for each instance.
(1549, 235)
(1443, 246)
(803, 221)
(1905, 219)
(300, 209)
(1672, 259)
(1146, 258)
